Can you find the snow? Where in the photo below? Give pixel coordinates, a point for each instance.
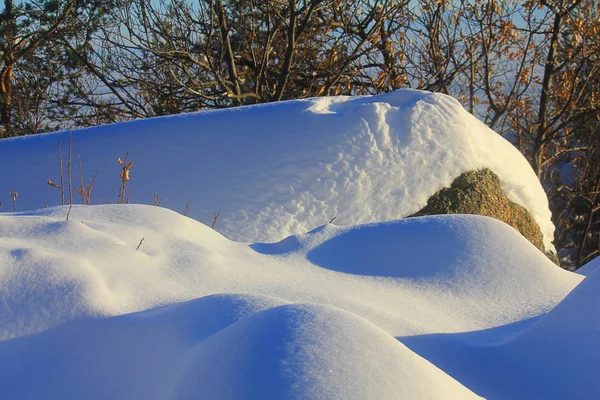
(552, 356)
(327, 314)
(284, 168)
(228, 349)
(90, 267)
(590, 267)
(137, 301)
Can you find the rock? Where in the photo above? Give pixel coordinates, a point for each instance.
(479, 192)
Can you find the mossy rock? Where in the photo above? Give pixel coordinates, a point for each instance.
(479, 192)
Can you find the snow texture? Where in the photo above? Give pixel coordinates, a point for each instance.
(553, 356)
(140, 302)
(337, 313)
(285, 168)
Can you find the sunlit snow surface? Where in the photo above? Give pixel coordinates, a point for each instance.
(285, 168)
(432, 307)
(139, 302)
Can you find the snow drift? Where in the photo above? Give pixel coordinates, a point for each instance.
(313, 316)
(285, 168)
(221, 347)
(552, 356)
(458, 272)
(564, 344)
(134, 301)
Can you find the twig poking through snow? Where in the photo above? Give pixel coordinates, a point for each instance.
(215, 218)
(62, 181)
(69, 212)
(141, 241)
(332, 219)
(85, 191)
(14, 196)
(124, 177)
(69, 167)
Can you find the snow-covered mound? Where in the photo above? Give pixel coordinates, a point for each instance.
(554, 356)
(284, 168)
(565, 344)
(313, 316)
(221, 347)
(458, 272)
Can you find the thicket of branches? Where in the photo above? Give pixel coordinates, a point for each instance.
(528, 69)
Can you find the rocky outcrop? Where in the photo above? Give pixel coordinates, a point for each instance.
(479, 192)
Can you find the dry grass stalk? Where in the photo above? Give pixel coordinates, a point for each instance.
(85, 191)
(139, 245)
(60, 187)
(69, 212)
(69, 167)
(14, 196)
(124, 196)
(187, 209)
(332, 219)
(157, 201)
(79, 190)
(62, 180)
(215, 218)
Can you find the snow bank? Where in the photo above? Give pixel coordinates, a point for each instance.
(137, 301)
(285, 168)
(313, 316)
(221, 347)
(311, 352)
(457, 272)
(136, 356)
(552, 356)
(564, 346)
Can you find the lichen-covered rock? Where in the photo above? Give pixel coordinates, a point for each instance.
(479, 192)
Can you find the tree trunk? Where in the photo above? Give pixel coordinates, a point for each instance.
(6, 76)
(229, 57)
(6, 94)
(547, 80)
(538, 160)
(289, 53)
